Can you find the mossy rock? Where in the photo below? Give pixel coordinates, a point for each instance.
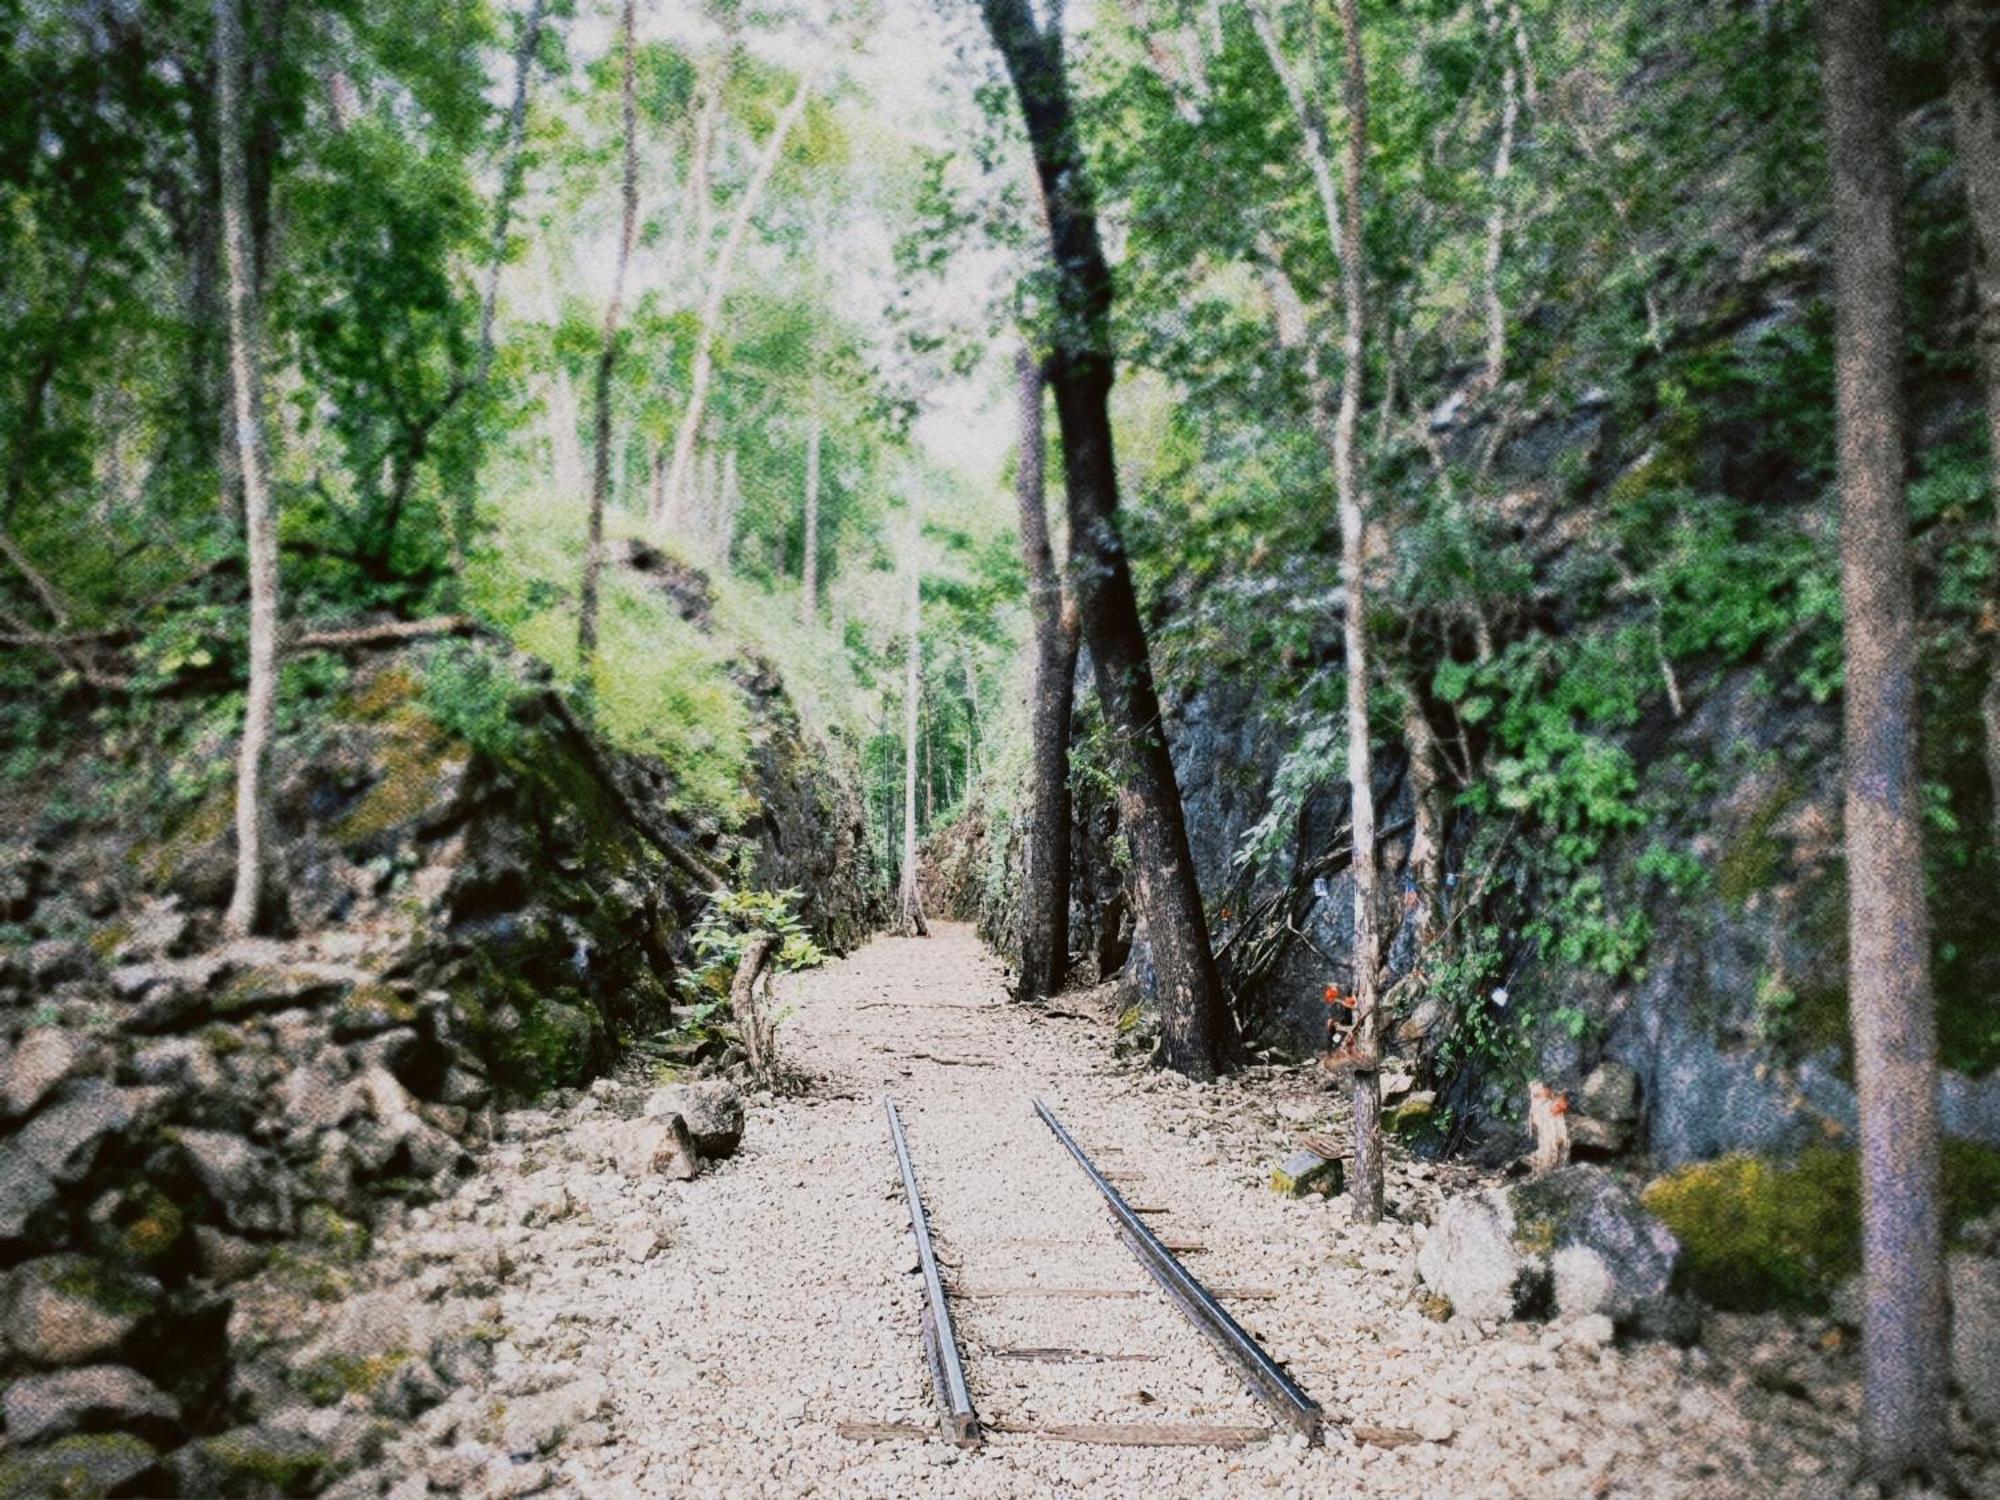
(252, 1461)
(1759, 1234)
(420, 767)
(387, 693)
(81, 1468)
(340, 1375)
(142, 1225)
(338, 1237)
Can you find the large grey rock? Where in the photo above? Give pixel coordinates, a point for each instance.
(246, 1183)
(713, 1111)
(1576, 1241)
(96, 1398)
(58, 1146)
(534, 1424)
(69, 1309)
(1605, 1112)
(109, 1463)
(1975, 1333)
(45, 1057)
(661, 1147)
(254, 1460)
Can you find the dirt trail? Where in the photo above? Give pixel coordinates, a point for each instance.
(714, 1338)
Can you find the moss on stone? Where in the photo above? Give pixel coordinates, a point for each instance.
(1749, 859)
(104, 1286)
(255, 1460)
(341, 1238)
(338, 1375)
(417, 763)
(381, 696)
(89, 1465)
(156, 1229)
(1758, 1234)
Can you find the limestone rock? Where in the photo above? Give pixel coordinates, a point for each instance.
(535, 1424)
(94, 1398)
(252, 1460)
(58, 1147)
(247, 1183)
(1606, 1112)
(1305, 1174)
(68, 1309)
(713, 1112)
(111, 1463)
(1576, 1241)
(653, 1147)
(1975, 1333)
(43, 1059)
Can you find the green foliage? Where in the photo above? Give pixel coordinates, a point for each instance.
(732, 917)
(472, 695)
(1757, 1233)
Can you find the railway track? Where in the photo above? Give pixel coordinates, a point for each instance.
(1262, 1377)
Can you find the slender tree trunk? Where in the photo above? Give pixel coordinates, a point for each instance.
(511, 178)
(809, 564)
(1496, 219)
(249, 903)
(1192, 1015)
(703, 370)
(909, 899)
(1427, 832)
(1045, 881)
(1975, 114)
(1367, 1191)
(607, 357)
(1905, 1321)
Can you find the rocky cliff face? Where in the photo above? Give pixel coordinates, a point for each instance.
(478, 909)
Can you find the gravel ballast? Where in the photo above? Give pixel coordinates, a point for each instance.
(739, 1334)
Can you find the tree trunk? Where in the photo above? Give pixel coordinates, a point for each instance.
(1192, 1015)
(1496, 219)
(249, 903)
(512, 175)
(909, 897)
(1367, 1044)
(1975, 114)
(1904, 1323)
(1045, 880)
(809, 564)
(607, 358)
(703, 370)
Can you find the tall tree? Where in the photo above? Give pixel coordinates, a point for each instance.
(680, 468)
(1905, 1320)
(1353, 564)
(607, 355)
(1192, 1016)
(809, 568)
(1045, 880)
(909, 896)
(249, 902)
(1975, 115)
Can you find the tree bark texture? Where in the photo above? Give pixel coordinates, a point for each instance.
(607, 358)
(1045, 880)
(702, 373)
(249, 902)
(1192, 1015)
(1904, 1322)
(909, 897)
(1367, 1189)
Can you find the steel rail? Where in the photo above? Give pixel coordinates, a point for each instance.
(1267, 1379)
(940, 1340)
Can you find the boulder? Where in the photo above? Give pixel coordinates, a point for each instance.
(44, 1058)
(535, 1424)
(254, 1460)
(246, 1183)
(1975, 1333)
(69, 1309)
(1605, 1112)
(58, 1147)
(96, 1398)
(713, 1111)
(1306, 1173)
(110, 1463)
(652, 1147)
(1576, 1241)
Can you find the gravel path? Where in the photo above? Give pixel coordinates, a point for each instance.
(717, 1337)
